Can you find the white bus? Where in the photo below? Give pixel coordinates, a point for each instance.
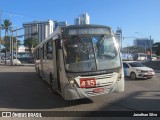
(81, 61)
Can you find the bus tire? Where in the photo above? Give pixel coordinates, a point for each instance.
(52, 84)
(39, 73)
(133, 75)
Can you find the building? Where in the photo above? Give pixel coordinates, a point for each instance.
(38, 29)
(60, 24)
(118, 36)
(22, 49)
(143, 42)
(83, 19)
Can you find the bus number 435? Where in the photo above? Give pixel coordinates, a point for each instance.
(87, 82)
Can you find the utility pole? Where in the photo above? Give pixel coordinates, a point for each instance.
(128, 49)
(145, 47)
(12, 48)
(12, 41)
(16, 42)
(0, 33)
(150, 46)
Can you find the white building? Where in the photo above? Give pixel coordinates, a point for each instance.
(42, 28)
(60, 24)
(22, 49)
(83, 19)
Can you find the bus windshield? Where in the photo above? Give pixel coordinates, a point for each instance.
(90, 53)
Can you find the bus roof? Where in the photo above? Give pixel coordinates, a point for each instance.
(58, 29)
(90, 25)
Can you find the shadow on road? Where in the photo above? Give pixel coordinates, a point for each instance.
(24, 90)
(137, 79)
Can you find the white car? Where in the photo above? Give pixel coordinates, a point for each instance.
(135, 70)
(15, 62)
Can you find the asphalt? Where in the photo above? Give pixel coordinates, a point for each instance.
(23, 64)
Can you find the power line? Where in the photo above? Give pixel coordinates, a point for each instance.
(18, 15)
(10, 14)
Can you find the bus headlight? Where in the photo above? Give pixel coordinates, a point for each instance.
(72, 82)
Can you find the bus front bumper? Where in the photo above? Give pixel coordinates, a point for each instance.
(73, 93)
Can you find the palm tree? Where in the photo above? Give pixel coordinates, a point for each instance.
(5, 26)
(31, 43)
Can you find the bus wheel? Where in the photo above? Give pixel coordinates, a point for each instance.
(133, 75)
(39, 73)
(52, 83)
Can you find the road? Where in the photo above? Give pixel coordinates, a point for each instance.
(22, 90)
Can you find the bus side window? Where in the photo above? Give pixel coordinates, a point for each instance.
(49, 49)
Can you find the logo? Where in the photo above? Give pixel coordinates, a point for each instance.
(6, 114)
(21, 114)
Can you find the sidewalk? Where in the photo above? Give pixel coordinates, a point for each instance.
(23, 64)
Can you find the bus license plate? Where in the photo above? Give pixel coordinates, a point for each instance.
(87, 82)
(97, 90)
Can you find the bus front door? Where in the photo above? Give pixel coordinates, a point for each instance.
(56, 64)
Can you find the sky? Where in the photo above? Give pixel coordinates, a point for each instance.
(136, 18)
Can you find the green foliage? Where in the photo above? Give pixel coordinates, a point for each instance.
(5, 41)
(6, 25)
(31, 43)
(156, 48)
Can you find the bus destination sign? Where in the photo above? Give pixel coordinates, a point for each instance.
(88, 31)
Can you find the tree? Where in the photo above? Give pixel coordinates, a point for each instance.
(5, 41)
(31, 43)
(156, 48)
(5, 26)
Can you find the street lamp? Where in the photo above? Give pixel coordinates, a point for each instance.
(11, 45)
(150, 46)
(128, 44)
(14, 30)
(18, 36)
